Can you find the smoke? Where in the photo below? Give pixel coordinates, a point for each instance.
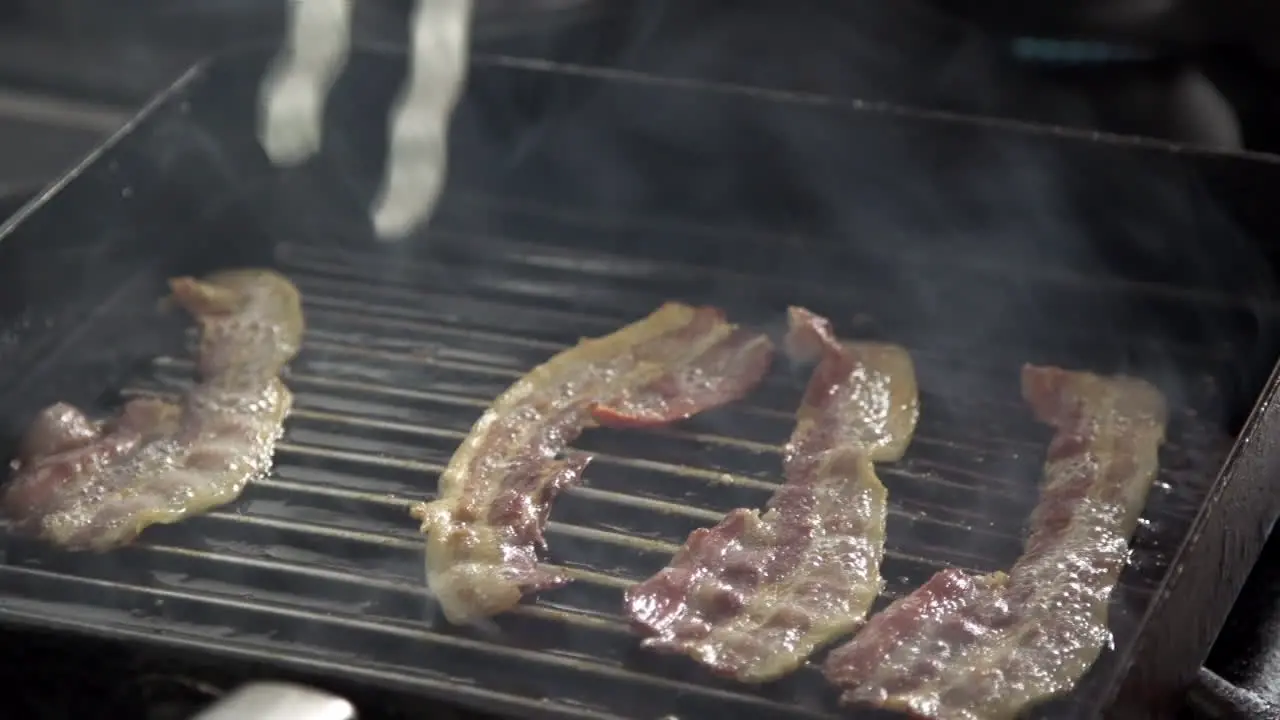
(780, 168)
(934, 207)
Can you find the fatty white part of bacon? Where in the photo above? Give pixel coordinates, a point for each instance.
(295, 90)
(292, 97)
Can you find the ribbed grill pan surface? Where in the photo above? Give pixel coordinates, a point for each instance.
(320, 567)
(320, 562)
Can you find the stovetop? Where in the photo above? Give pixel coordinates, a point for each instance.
(70, 75)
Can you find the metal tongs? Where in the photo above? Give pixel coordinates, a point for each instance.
(294, 91)
(279, 701)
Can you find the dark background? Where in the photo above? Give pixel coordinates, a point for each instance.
(71, 69)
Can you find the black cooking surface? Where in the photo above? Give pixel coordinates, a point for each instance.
(320, 556)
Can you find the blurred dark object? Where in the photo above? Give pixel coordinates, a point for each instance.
(1214, 698)
(953, 54)
(125, 51)
(42, 137)
(1243, 677)
(1208, 72)
(1175, 24)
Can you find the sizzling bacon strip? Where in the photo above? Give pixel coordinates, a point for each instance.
(89, 485)
(754, 596)
(986, 648)
(485, 528)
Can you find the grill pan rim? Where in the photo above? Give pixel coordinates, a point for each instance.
(335, 671)
(1170, 627)
(1149, 675)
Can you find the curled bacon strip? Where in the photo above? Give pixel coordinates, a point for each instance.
(986, 648)
(485, 529)
(88, 485)
(754, 596)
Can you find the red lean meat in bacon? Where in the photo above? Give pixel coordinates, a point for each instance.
(485, 528)
(754, 596)
(985, 648)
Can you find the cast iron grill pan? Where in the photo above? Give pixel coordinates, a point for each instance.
(319, 566)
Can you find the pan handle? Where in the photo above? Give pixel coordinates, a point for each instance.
(279, 701)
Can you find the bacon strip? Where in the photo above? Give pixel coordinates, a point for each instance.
(754, 596)
(88, 485)
(485, 529)
(986, 648)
